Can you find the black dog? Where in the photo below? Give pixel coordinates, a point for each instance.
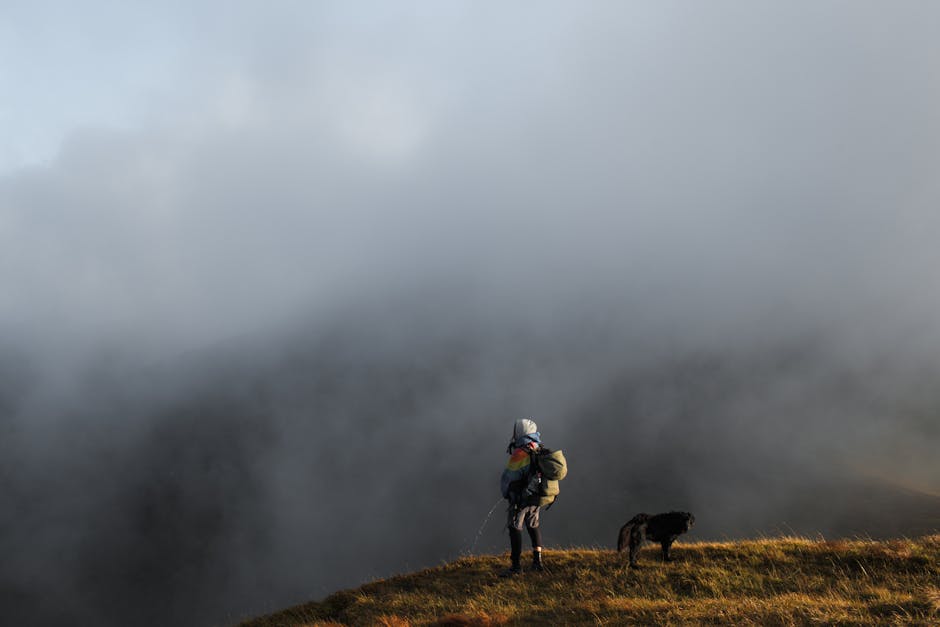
(662, 528)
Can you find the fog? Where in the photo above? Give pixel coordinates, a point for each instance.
(287, 275)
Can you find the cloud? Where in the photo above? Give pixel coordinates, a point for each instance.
(701, 176)
(720, 162)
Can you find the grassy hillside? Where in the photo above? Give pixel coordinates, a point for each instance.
(779, 581)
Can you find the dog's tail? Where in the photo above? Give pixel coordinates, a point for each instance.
(623, 538)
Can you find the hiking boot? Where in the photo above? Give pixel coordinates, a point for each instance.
(512, 571)
(537, 561)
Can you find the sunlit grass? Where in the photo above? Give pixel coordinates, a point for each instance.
(774, 581)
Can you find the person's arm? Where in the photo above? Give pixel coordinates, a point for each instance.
(516, 469)
(504, 482)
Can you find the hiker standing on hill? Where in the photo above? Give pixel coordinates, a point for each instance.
(516, 484)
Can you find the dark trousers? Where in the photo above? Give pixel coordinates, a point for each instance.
(520, 516)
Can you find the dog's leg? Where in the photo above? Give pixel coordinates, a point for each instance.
(636, 540)
(666, 544)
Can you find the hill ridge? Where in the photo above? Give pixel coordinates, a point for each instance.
(766, 581)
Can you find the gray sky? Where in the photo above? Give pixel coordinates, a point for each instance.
(178, 174)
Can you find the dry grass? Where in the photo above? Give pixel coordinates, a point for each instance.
(780, 581)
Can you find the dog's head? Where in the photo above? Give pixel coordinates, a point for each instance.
(678, 522)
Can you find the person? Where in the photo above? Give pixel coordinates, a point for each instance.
(519, 484)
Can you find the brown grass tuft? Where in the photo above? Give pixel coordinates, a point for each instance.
(459, 620)
(391, 621)
(933, 599)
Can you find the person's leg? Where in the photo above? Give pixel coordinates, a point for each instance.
(514, 523)
(535, 535)
(515, 546)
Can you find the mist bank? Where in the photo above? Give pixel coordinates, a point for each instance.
(266, 469)
(721, 165)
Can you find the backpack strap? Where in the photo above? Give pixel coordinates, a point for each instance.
(534, 460)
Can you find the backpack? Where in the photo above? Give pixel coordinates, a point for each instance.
(552, 467)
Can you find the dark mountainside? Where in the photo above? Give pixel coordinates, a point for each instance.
(257, 474)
